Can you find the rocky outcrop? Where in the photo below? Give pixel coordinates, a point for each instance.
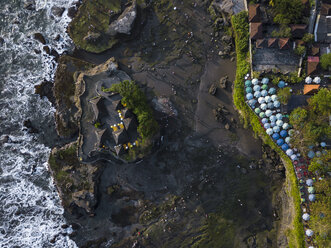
(64, 91)
(76, 182)
(45, 89)
(125, 22)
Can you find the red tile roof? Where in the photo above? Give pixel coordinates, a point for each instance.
(312, 67)
(273, 42)
(254, 13)
(256, 30)
(260, 43)
(284, 43)
(298, 30)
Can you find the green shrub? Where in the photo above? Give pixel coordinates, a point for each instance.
(284, 95)
(326, 61)
(308, 38)
(283, 32)
(300, 50)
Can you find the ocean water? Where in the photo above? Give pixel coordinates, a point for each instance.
(30, 211)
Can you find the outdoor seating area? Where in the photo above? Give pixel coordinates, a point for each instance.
(263, 100)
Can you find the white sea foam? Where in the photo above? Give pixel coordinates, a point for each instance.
(30, 210)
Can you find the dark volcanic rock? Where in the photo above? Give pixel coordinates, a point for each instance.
(64, 91)
(223, 82)
(72, 11)
(28, 124)
(212, 90)
(57, 11)
(46, 89)
(2, 41)
(39, 37)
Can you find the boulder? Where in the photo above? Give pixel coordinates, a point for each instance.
(2, 41)
(45, 89)
(84, 199)
(212, 90)
(125, 22)
(29, 5)
(28, 124)
(227, 126)
(223, 54)
(57, 11)
(223, 82)
(39, 37)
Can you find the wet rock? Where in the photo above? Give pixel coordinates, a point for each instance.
(227, 126)
(57, 11)
(28, 124)
(212, 90)
(72, 11)
(4, 139)
(47, 49)
(55, 54)
(92, 37)
(39, 37)
(125, 22)
(223, 82)
(64, 226)
(52, 241)
(45, 89)
(29, 5)
(2, 41)
(58, 38)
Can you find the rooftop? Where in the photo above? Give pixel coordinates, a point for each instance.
(254, 13)
(310, 88)
(256, 30)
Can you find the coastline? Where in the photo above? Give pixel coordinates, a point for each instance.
(172, 146)
(249, 117)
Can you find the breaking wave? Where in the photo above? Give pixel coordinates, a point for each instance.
(30, 211)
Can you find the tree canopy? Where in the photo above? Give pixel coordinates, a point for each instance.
(311, 123)
(287, 11)
(135, 100)
(326, 61)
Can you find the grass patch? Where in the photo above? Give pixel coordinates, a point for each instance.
(241, 31)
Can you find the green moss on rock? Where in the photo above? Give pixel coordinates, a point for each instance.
(74, 181)
(92, 20)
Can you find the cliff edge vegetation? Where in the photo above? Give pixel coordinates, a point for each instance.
(241, 32)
